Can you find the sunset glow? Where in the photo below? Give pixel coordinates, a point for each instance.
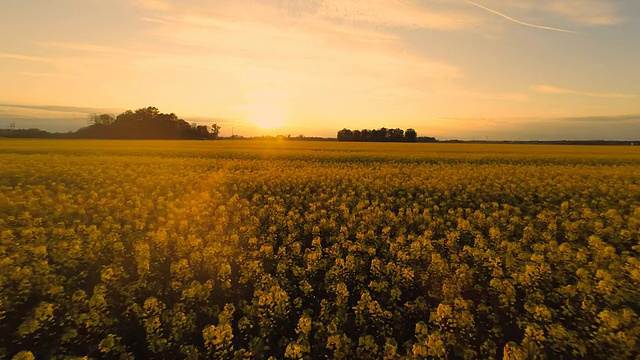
(265, 116)
(452, 69)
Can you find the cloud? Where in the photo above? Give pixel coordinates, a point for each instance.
(44, 74)
(385, 13)
(80, 46)
(160, 5)
(602, 127)
(434, 14)
(48, 117)
(51, 124)
(100, 52)
(55, 108)
(586, 12)
(549, 89)
(25, 57)
(395, 13)
(580, 12)
(271, 48)
(608, 119)
(323, 67)
(499, 96)
(520, 22)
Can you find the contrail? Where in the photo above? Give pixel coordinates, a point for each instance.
(520, 22)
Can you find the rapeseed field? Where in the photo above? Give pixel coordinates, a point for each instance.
(265, 249)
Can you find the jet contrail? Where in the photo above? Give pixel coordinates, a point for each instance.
(521, 22)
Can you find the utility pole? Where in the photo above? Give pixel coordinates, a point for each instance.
(12, 126)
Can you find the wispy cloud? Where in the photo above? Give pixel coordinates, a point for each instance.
(396, 13)
(499, 96)
(520, 22)
(582, 12)
(45, 74)
(549, 89)
(385, 13)
(626, 118)
(85, 50)
(161, 5)
(25, 57)
(80, 46)
(47, 117)
(610, 127)
(586, 12)
(55, 108)
(319, 51)
(323, 66)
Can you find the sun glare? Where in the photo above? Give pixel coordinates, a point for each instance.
(266, 116)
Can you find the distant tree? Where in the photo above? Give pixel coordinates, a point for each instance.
(365, 135)
(203, 131)
(345, 135)
(101, 119)
(427, 139)
(149, 113)
(395, 134)
(27, 133)
(215, 131)
(144, 123)
(357, 135)
(411, 135)
(378, 135)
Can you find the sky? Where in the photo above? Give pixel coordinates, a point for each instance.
(453, 69)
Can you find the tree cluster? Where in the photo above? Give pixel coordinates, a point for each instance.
(378, 135)
(145, 123)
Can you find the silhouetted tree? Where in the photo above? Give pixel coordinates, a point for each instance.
(396, 134)
(382, 134)
(215, 131)
(366, 135)
(101, 119)
(144, 123)
(203, 132)
(411, 135)
(345, 135)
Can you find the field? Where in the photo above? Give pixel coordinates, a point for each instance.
(256, 249)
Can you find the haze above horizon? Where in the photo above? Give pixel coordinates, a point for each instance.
(485, 69)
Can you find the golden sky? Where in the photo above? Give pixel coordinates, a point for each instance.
(495, 69)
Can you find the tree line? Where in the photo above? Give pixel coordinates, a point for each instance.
(145, 123)
(378, 135)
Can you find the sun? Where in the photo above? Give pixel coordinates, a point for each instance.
(266, 116)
